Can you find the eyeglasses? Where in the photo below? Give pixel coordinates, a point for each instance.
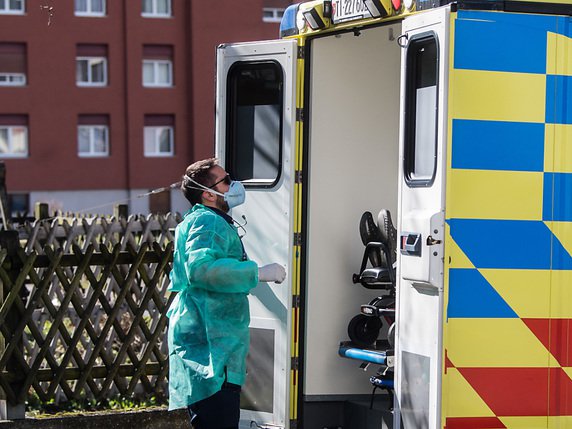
(226, 180)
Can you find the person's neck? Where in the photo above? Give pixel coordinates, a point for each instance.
(209, 204)
(213, 206)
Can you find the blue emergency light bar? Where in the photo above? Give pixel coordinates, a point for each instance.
(288, 26)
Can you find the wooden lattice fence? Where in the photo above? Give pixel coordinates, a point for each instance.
(83, 307)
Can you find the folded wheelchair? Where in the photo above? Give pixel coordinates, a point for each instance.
(380, 251)
(377, 271)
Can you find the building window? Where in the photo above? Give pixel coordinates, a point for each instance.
(12, 64)
(159, 135)
(93, 136)
(157, 66)
(90, 7)
(12, 7)
(12, 79)
(91, 71)
(272, 14)
(156, 8)
(157, 73)
(13, 136)
(91, 65)
(93, 140)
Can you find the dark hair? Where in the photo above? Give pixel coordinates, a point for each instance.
(200, 172)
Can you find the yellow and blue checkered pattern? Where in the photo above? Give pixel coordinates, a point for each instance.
(508, 318)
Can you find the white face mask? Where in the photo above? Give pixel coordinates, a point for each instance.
(235, 195)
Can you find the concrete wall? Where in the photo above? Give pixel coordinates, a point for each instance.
(103, 201)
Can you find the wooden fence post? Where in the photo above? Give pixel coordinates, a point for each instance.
(121, 211)
(9, 240)
(4, 209)
(41, 211)
(3, 411)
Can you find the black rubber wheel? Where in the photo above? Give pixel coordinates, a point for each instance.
(391, 335)
(363, 330)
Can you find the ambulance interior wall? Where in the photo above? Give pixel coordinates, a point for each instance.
(353, 167)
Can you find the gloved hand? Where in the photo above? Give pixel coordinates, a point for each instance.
(271, 273)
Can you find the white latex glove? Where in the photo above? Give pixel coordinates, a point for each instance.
(271, 273)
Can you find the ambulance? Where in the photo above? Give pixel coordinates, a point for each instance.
(455, 117)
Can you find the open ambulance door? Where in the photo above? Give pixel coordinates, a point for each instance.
(421, 219)
(255, 133)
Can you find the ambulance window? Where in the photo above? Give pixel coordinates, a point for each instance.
(421, 111)
(254, 122)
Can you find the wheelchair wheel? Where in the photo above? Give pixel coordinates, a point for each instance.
(391, 335)
(363, 330)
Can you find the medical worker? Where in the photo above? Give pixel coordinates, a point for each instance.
(209, 317)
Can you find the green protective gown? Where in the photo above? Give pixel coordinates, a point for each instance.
(208, 319)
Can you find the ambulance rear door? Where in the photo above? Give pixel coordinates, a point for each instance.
(255, 133)
(421, 218)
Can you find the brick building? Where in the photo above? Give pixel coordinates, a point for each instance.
(104, 100)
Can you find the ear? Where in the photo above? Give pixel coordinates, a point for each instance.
(208, 196)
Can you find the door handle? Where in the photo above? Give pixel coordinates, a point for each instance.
(431, 241)
(410, 244)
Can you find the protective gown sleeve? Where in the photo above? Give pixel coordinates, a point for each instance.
(209, 265)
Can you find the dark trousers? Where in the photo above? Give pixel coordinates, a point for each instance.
(219, 411)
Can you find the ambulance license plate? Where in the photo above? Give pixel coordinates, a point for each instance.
(348, 10)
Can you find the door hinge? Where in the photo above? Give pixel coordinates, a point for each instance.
(297, 239)
(295, 301)
(294, 363)
(298, 176)
(300, 53)
(299, 114)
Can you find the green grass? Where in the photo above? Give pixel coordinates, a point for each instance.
(37, 409)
